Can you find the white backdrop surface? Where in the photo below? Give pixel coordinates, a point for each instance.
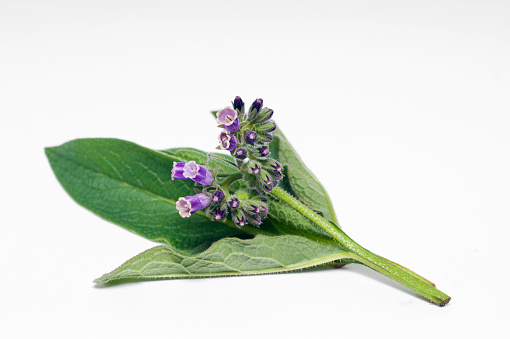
(400, 108)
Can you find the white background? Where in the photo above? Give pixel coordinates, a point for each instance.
(400, 108)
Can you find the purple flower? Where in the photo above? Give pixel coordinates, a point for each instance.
(191, 170)
(217, 196)
(178, 170)
(189, 205)
(228, 141)
(250, 137)
(228, 118)
(240, 153)
(263, 151)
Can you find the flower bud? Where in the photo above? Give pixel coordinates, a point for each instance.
(263, 151)
(238, 104)
(278, 175)
(271, 165)
(240, 153)
(255, 220)
(250, 137)
(254, 167)
(228, 141)
(219, 214)
(238, 217)
(253, 206)
(233, 202)
(265, 178)
(260, 199)
(264, 115)
(255, 109)
(265, 127)
(265, 137)
(217, 196)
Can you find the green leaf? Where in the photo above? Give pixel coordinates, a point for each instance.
(131, 186)
(229, 257)
(303, 184)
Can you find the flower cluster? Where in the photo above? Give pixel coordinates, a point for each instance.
(246, 135)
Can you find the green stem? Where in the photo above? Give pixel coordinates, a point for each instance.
(230, 179)
(384, 266)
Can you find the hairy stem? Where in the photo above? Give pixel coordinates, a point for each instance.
(384, 266)
(229, 180)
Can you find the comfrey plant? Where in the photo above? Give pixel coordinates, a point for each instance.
(258, 210)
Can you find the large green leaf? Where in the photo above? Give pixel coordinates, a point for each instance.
(131, 186)
(302, 181)
(229, 257)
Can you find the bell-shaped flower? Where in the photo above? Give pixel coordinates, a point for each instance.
(229, 119)
(178, 170)
(228, 141)
(189, 205)
(191, 170)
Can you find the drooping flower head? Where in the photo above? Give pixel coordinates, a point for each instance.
(246, 135)
(229, 119)
(190, 204)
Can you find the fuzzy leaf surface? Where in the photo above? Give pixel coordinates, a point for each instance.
(302, 181)
(131, 186)
(229, 257)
